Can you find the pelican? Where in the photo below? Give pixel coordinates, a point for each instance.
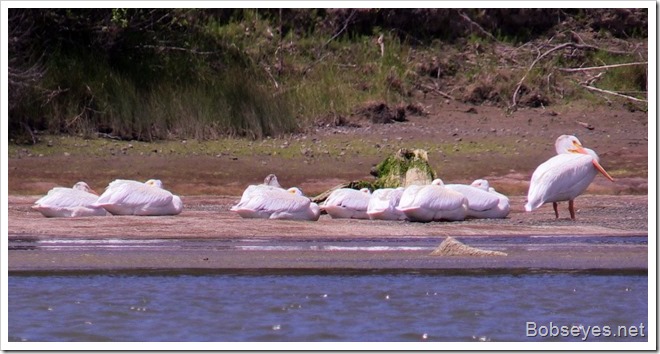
(383, 203)
(483, 201)
(565, 176)
(347, 203)
(277, 203)
(433, 202)
(126, 197)
(270, 183)
(69, 202)
(271, 180)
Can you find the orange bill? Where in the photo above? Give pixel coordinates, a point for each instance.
(602, 170)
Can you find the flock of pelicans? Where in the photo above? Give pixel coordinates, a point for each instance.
(561, 178)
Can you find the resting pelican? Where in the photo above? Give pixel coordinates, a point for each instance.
(271, 180)
(565, 176)
(432, 203)
(69, 202)
(383, 203)
(126, 197)
(483, 201)
(347, 203)
(270, 183)
(277, 203)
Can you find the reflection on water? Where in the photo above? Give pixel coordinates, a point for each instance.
(314, 307)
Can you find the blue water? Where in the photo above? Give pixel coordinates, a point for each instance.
(313, 307)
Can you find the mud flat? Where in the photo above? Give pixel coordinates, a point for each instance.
(609, 236)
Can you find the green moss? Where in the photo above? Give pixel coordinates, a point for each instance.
(391, 172)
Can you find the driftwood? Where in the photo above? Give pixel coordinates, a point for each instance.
(569, 70)
(451, 247)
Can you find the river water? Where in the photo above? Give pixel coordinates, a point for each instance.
(311, 307)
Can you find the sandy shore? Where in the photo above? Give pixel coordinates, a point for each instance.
(216, 231)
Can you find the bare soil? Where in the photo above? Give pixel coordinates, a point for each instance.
(464, 143)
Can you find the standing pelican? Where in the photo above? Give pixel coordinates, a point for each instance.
(383, 203)
(347, 203)
(126, 197)
(69, 202)
(433, 202)
(565, 176)
(277, 203)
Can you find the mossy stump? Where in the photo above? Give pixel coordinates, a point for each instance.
(405, 168)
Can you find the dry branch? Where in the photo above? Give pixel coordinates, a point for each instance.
(436, 90)
(481, 29)
(613, 93)
(602, 67)
(514, 99)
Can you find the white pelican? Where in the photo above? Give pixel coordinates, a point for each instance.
(69, 202)
(483, 201)
(271, 180)
(270, 183)
(565, 176)
(383, 203)
(432, 203)
(277, 203)
(126, 197)
(347, 203)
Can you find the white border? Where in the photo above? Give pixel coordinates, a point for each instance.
(652, 113)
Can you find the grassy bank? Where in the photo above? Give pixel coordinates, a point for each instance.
(159, 74)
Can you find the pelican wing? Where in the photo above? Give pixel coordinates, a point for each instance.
(135, 193)
(478, 199)
(66, 198)
(348, 198)
(439, 198)
(274, 201)
(384, 199)
(254, 190)
(409, 196)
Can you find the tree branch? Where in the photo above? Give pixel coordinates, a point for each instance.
(164, 47)
(481, 29)
(602, 67)
(342, 29)
(514, 99)
(613, 93)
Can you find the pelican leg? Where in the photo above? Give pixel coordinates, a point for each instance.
(571, 208)
(554, 206)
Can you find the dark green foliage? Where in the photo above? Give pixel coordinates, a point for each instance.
(152, 74)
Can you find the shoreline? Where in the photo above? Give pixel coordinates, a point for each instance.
(609, 237)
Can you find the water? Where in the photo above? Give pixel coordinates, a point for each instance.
(311, 307)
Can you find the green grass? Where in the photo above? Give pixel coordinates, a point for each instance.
(240, 92)
(206, 77)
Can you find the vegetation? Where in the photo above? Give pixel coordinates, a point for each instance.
(155, 74)
(394, 170)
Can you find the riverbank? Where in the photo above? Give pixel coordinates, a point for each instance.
(206, 235)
